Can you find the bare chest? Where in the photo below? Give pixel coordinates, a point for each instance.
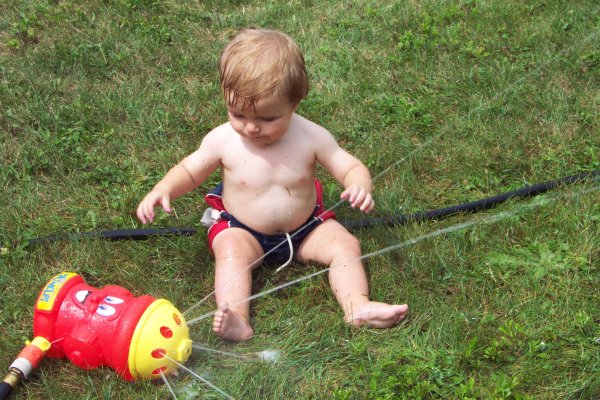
(263, 168)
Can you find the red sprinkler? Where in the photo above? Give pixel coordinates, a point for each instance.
(139, 337)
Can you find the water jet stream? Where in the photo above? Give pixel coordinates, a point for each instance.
(224, 353)
(164, 378)
(203, 380)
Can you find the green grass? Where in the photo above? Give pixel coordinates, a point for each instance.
(98, 99)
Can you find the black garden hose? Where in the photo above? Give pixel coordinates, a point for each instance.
(5, 390)
(117, 234)
(470, 207)
(473, 206)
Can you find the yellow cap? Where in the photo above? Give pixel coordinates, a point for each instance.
(41, 343)
(161, 337)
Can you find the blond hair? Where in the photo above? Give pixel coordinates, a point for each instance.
(258, 63)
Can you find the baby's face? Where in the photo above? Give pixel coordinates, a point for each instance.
(264, 124)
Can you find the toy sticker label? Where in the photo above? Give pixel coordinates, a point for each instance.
(48, 295)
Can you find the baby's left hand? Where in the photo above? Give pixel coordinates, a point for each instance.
(357, 196)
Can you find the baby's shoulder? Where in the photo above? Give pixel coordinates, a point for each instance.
(219, 136)
(313, 133)
(309, 128)
(221, 130)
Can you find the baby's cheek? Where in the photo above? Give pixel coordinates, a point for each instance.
(238, 127)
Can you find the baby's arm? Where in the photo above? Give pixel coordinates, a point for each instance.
(181, 179)
(348, 170)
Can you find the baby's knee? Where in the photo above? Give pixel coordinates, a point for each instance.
(351, 240)
(346, 243)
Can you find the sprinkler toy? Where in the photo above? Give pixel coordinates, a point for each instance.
(139, 337)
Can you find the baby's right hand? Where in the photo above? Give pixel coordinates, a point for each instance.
(145, 211)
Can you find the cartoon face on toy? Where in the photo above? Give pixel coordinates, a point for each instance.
(102, 303)
(139, 337)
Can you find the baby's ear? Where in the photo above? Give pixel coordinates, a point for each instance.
(295, 106)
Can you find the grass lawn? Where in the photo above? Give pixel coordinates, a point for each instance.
(445, 101)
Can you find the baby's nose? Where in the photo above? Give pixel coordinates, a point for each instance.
(252, 127)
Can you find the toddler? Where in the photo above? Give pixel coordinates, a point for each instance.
(269, 202)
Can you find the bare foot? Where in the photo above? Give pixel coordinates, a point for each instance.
(231, 326)
(377, 315)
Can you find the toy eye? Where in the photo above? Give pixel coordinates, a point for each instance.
(105, 311)
(113, 300)
(82, 295)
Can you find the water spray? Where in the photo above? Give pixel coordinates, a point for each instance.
(138, 337)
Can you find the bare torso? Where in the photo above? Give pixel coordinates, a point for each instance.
(270, 188)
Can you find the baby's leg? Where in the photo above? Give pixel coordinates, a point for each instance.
(331, 244)
(235, 251)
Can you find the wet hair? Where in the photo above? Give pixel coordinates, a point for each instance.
(259, 63)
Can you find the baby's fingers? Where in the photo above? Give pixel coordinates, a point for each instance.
(165, 202)
(345, 195)
(144, 213)
(364, 202)
(358, 198)
(368, 204)
(354, 195)
(351, 194)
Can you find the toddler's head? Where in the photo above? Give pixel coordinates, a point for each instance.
(259, 63)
